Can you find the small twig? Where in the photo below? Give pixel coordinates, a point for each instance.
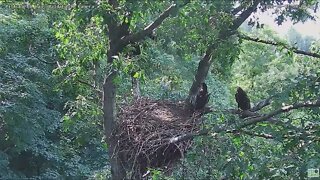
(266, 136)
(34, 56)
(144, 110)
(90, 85)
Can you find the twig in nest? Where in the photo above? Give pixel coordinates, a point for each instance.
(144, 110)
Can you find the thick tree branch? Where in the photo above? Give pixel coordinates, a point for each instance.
(243, 16)
(237, 10)
(132, 38)
(119, 44)
(293, 49)
(255, 120)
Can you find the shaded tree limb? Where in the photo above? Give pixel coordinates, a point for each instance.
(43, 61)
(148, 30)
(252, 121)
(293, 49)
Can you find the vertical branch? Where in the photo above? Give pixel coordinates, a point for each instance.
(205, 63)
(136, 88)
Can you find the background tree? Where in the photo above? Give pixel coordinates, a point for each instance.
(37, 140)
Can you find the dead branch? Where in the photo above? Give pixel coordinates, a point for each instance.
(262, 104)
(293, 49)
(237, 10)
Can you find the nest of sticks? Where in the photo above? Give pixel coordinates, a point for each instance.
(143, 131)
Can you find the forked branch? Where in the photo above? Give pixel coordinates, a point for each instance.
(132, 38)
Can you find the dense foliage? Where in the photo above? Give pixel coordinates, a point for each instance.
(38, 119)
(54, 61)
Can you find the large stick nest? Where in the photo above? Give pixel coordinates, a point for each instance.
(143, 131)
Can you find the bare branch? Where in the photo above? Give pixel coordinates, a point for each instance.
(294, 49)
(261, 104)
(187, 136)
(46, 62)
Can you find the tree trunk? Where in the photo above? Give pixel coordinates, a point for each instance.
(109, 89)
(120, 37)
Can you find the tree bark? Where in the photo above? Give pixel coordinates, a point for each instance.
(109, 89)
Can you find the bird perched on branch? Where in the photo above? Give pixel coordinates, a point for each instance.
(242, 99)
(203, 97)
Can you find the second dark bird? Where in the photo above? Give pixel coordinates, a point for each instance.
(242, 99)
